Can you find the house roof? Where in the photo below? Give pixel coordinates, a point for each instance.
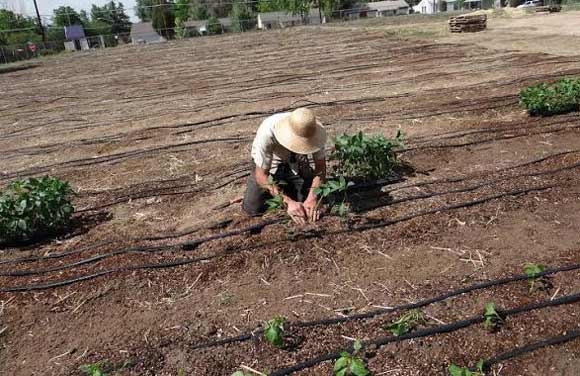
(144, 31)
(388, 5)
(285, 16)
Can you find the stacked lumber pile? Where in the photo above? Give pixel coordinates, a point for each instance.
(467, 23)
(549, 8)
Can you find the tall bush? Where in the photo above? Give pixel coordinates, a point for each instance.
(366, 157)
(242, 17)
(34, 208)
(543, 99)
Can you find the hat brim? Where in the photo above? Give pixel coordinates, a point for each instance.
(297, 144)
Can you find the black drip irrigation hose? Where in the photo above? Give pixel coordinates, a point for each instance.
(256, 228)
(550, 341)
(447, 328)
(384, 311)
(191, 245)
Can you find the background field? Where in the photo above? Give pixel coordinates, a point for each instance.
(156, 139)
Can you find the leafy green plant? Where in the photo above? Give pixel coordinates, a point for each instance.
(493, 321)
(366, 157)
(351, 365)
(464, 371)
(277, 202)
(536, 282)
(274, 331)
(543, 99)
(94, 369)
(407, 322)
(33, 208)
(240, 373)
(331, 187)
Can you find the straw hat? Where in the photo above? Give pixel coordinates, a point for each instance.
(300, 132)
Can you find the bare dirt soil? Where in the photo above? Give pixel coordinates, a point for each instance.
(156, 139)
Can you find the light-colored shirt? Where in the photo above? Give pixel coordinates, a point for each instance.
(268, 153)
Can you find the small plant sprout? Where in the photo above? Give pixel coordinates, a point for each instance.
(536, 282)
(240, 373)
(407, 323)
(493, 321)
(464, 371)
(273, 331)
(94, 369)
(331, 187)
(277, 202)
(351, 365)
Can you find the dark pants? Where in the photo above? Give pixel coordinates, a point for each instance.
(297, 188)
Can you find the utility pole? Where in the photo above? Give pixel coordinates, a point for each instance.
(40, 24)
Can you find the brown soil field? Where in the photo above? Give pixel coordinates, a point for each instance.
(156, 141)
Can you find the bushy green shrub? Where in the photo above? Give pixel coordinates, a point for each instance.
(543, 99)
(34, 208)
(366, 157)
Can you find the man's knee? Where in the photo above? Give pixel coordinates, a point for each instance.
(253, 210)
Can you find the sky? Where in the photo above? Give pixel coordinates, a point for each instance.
(46, 7)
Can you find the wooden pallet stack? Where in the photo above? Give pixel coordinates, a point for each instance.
(549, 8)
(467, 23)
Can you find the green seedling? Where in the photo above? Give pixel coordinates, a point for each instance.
(331, 187)
(274, 331)
(366, 157)
(493, 321)
(407, 322)
(35, 207)
(536, 282)
(240, 373)
(464, 371)
(276, 203)
(351, 365)
(94, 369)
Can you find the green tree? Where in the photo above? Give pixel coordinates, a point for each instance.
(163, 18)
(182, 10)
(182, 14)
(143, 10)
(213, 26)
(242, 17)
(66, 16)
(199, 12)
(24, 29)
(113, 15)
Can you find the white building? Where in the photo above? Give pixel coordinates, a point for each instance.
(387, 8)
(426, 7)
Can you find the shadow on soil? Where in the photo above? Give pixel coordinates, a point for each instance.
(80, 225)
(367, 196)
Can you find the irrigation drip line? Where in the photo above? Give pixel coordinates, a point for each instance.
(421, 213)
(111, 158)
(107, 242)
(447, 328)
(384, 311)
(550, 341)
(491, 139)
(259, 227)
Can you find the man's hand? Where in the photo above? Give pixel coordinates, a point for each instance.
(296, 212)
(312, 209)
